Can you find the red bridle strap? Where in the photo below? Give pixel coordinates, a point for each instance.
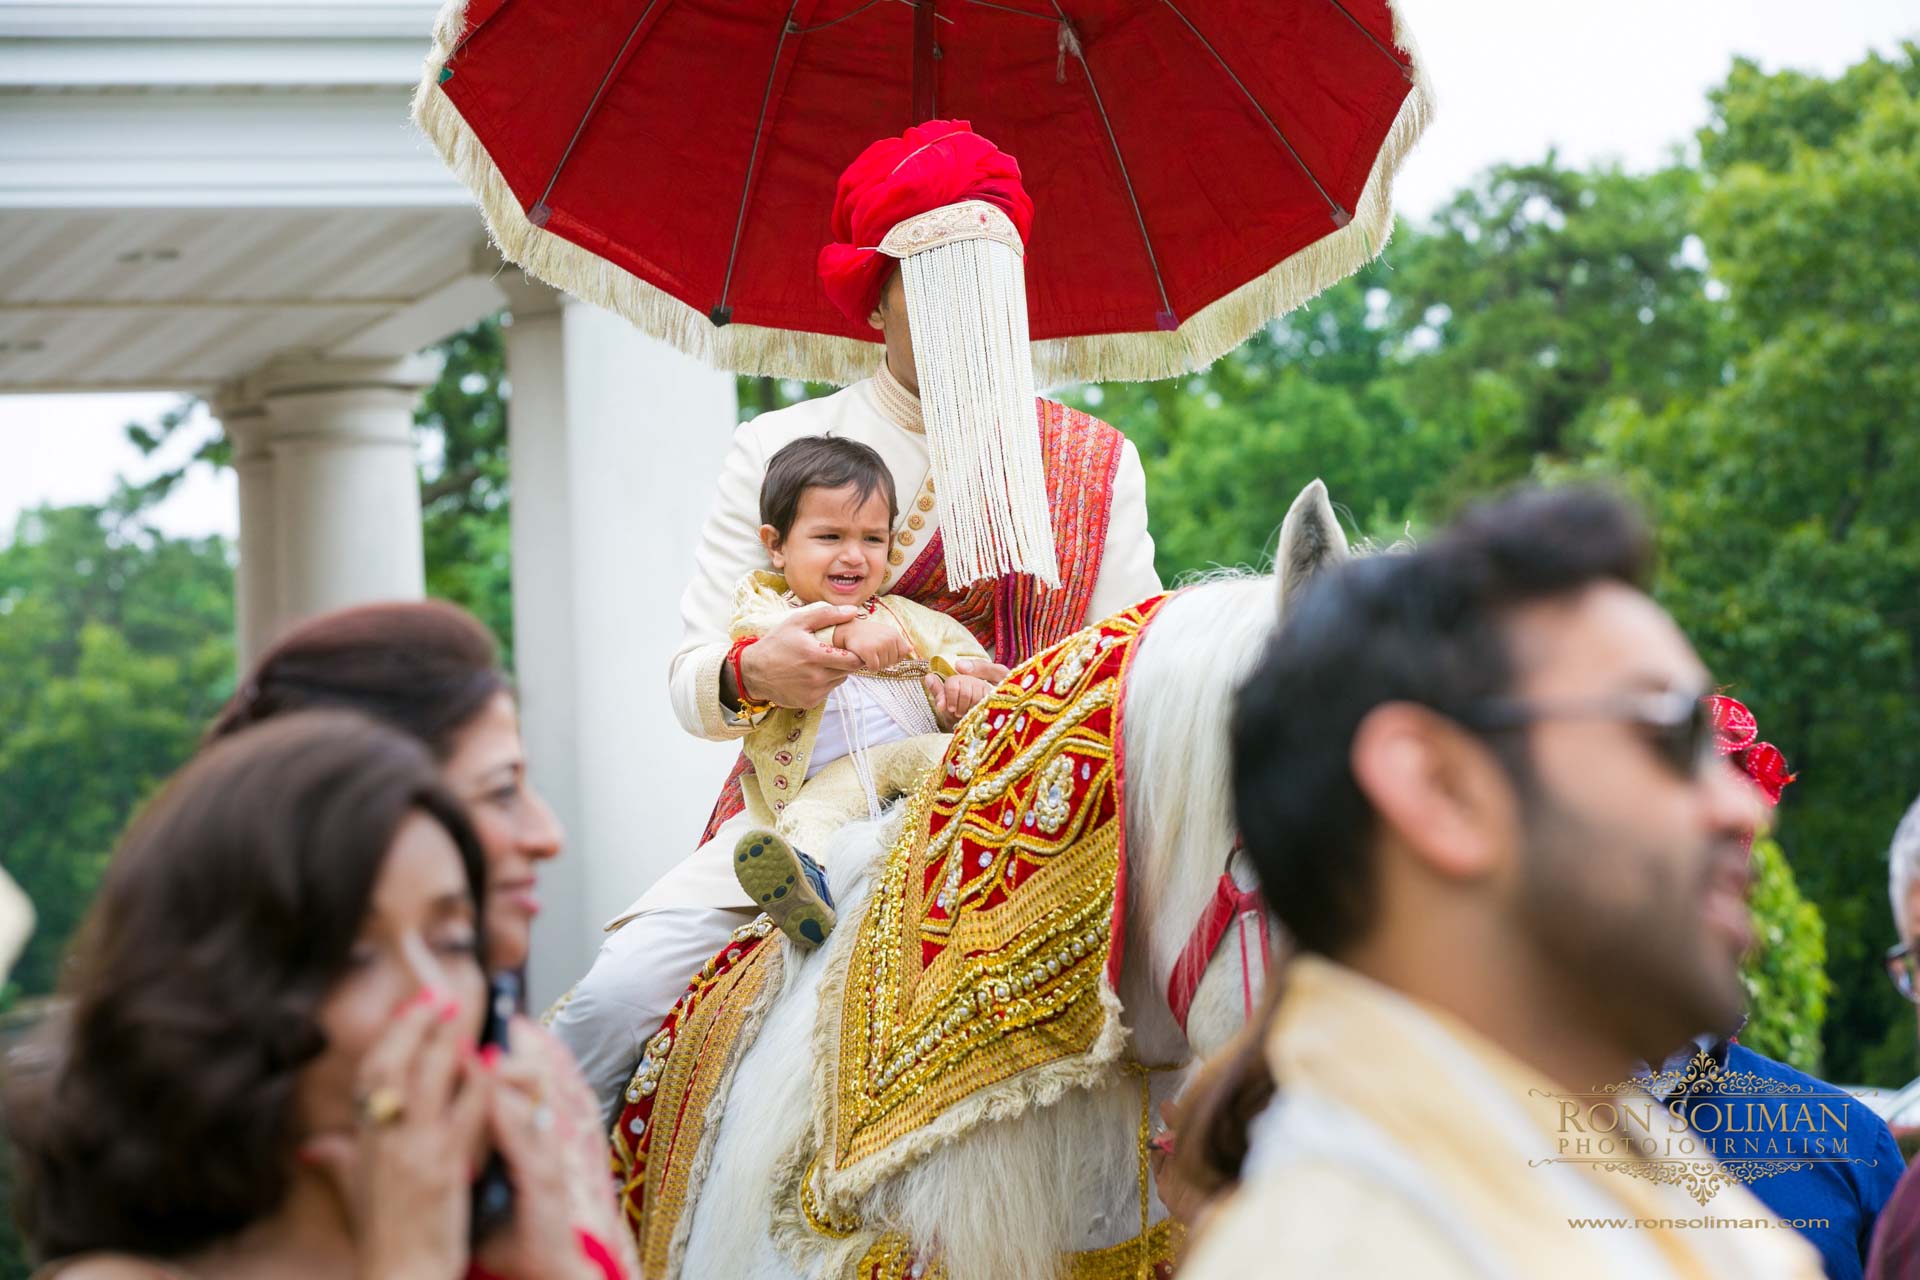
(1230, 903)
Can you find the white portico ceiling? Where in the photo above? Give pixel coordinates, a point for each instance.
(189, 190)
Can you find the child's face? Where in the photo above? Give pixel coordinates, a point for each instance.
(837, 548)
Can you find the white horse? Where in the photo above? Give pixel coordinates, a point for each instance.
(1008, 1198)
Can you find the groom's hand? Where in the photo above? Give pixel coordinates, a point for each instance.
(790, 668)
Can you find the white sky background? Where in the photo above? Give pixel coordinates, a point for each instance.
(1624, 80)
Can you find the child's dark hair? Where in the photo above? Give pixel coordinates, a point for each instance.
(821, 462)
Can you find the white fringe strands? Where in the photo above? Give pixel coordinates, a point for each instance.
(751, 349)
(967, 310)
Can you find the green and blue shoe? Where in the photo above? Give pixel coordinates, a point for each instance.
(788, 885)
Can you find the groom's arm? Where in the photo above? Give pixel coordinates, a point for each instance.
(729, 550)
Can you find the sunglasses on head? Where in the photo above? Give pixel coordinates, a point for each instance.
(1678, 726)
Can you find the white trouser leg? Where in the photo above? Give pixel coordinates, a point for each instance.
(643, 967)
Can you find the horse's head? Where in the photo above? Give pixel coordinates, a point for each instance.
(1189, 941)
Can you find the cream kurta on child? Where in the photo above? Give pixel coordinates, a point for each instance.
(804, 801)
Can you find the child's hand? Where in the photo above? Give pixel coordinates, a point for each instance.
(875, 643)
(955, 696)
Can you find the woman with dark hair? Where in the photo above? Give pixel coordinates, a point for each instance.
(431, 670)
(268, 1062)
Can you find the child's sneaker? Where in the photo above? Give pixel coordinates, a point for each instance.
(788, 885)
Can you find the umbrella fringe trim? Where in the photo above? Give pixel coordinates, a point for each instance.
(1227, 322)
(757, 350)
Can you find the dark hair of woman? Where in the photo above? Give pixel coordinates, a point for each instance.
(425, 667)
(156, 1113)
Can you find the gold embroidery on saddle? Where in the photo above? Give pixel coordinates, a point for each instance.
(893, 1258)
(989, 941)
(663, 1127)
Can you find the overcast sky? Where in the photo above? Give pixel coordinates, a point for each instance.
(1624, 80)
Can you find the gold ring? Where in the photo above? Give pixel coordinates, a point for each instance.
(382, 1106)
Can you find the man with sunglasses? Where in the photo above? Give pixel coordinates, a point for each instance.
(1484, 800)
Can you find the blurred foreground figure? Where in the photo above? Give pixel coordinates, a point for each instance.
(268, 1062)
(1896, 1242)
(1481, 791)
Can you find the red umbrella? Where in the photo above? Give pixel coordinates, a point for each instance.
(1198, 166)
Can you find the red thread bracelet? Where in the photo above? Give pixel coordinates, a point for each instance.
(733, 660)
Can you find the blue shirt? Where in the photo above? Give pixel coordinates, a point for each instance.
(1848, 1193)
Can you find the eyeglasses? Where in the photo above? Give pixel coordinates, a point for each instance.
(1679, 726)
(1903, 968)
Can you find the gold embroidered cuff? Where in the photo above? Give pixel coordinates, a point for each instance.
(716, 722)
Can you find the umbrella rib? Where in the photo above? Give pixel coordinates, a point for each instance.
(1371, 38)
(722, 313)
(540, 212)
(1070, 43)
(1007, 8)
(1341, 215)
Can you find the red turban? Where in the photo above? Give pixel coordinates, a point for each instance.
(938, 163)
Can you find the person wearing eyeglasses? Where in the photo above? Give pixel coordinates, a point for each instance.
(1896, 1242)
(1483, 797)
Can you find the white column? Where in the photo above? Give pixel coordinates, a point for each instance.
(616, 442)
(345, 491)
(256, 604)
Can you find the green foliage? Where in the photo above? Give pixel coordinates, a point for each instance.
(117, 643)
(1785, 974)
(465, 502)
(1739, 347)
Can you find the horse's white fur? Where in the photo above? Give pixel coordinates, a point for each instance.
(1004, 1201)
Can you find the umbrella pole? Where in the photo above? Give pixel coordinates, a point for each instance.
(926, 54)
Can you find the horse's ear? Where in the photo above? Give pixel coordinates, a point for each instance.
(1310, 540)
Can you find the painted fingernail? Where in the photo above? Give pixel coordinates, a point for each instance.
(425, 995)
(490, 1054)
(449, 1011)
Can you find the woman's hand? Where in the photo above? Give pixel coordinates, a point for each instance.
(404, 1173)
(789, 667)
(525, 1126)
(1184, 1201)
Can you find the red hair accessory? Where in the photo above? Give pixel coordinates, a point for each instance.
(938, 163)
(1738, 735)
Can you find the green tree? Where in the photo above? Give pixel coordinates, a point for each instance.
(117, 643)
(1786, 496)
(1786, 973)
(465, 495)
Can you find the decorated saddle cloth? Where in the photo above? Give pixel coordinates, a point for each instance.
(980, 981)
(1014, 617)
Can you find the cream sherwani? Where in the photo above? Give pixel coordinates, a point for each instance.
(878, 412)
(1403, 1144)
(687, 915)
